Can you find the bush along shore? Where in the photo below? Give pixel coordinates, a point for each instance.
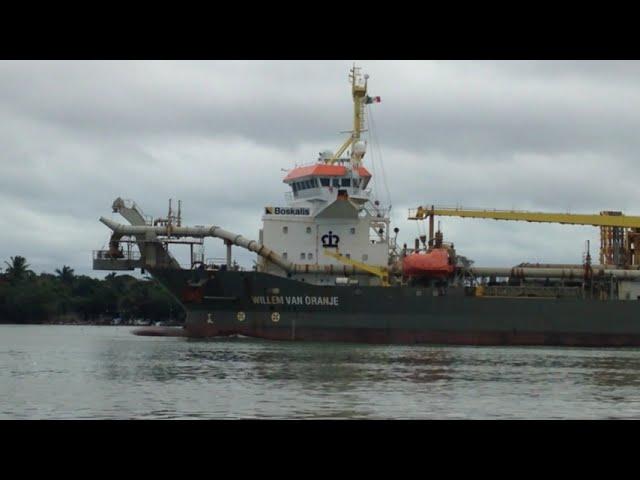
(66, 298)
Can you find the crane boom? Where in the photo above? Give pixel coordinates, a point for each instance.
(380, 272)
(604, 219)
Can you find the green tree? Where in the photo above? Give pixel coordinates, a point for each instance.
(18, 269)
(65, 275)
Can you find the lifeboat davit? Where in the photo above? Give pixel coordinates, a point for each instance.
(435, 264)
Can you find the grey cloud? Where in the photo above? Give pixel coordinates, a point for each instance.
(530, 135)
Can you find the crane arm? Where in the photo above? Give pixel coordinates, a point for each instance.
(604, 219)
(380, 272)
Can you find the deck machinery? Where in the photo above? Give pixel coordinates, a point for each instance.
(619, 234)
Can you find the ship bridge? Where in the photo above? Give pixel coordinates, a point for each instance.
(321, 181)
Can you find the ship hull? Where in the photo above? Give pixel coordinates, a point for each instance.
(270, 307)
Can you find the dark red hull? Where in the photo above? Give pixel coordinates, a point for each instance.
(264, 306)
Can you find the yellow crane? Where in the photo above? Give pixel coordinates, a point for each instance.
(380, 272)
(619, 234)
(604, 219)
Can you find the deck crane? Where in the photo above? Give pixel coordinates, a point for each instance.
(619, 234)
(381, 272)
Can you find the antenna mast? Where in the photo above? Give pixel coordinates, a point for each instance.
(360, 99)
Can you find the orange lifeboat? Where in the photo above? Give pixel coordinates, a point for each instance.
(434, 264)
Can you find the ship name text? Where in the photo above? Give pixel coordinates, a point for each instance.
(296, 300)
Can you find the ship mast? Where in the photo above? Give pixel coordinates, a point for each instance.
(360, 99)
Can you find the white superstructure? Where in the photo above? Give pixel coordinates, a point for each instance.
(329, 209)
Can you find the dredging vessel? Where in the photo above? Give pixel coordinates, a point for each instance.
(329, 269)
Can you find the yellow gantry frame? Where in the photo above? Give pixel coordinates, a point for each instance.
(380, 272)
(601, 220)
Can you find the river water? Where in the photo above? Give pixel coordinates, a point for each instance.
(89, 372)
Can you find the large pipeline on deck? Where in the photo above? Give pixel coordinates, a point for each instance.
(568, 273)
(289, 267)
(231, 237)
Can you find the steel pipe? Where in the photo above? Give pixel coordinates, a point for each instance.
(571, 273)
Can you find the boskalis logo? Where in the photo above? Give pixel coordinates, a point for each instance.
(286, 211)
(330, 240)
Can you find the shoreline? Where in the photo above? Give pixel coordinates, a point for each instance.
(103, 322)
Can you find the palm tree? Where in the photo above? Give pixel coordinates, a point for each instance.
(66, 275)
(18, 269)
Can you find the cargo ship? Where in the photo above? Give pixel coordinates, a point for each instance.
(329, 268)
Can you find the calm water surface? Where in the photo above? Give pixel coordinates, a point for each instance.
(77, 372)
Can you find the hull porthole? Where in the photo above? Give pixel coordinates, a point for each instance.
(275, 316)
(241, 316)
(210, 318)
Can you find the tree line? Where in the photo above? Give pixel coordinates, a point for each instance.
(26, 297)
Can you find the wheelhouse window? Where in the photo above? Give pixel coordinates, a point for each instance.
(336, 182)
(346, 182)
(325, 182)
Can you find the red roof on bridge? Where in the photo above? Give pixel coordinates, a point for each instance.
(322, 170)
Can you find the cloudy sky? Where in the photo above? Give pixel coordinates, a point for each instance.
(553, 136)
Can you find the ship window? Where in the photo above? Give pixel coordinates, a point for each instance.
(295, 187)
(302, 256)
(336, 182)
(353, 230)
(356, 182)
(284, 255)
(365, 257)
(310, 256)
(348, 255)
(346, 182)
(315, 182)
(307, 184)
(285, 229)
(325, 182)
(308, 229)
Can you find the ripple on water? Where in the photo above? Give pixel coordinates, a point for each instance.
(105, 372)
